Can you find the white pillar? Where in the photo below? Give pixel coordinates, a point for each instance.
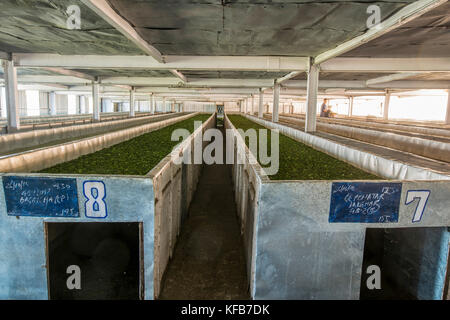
(276, 102)
(132, 100)
(350, 106)
(172, 106)
(1, 104)
(261, 104)
(387, 99)
(311, 98)
(12, 96)
(164, 105)
(447, 114)
(151, 103)
(96, 101)
(82, 103)
(52, 103)
(253, 105)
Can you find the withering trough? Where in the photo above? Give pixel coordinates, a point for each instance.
(43, 215)
(306, 239)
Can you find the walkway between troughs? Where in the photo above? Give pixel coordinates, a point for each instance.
(208, 261)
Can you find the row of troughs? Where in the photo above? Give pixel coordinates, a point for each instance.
(302, 239)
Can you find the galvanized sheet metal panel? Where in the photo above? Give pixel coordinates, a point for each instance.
(22, 241)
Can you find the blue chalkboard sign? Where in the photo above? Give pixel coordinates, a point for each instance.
(365, 202)
(41, 197)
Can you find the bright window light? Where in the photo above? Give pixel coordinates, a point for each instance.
(429, 107)
(368, 106)
(71, 104)
(32, 102)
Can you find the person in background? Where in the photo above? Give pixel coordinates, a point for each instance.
(324, 109)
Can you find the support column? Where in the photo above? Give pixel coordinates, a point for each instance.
(52, 103)
(311, 98)
(164, 105)
(261, 104)
(387, 99)
(96, 101)
(82, 104)
(86, 103)
(1, 105)
(350, 106)
(252, 112)
(151, 104)
(132, 101)
(276, 102)
(12, 96)
(447, 114)
(172, 106)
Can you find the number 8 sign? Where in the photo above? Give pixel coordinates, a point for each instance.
(95, 193)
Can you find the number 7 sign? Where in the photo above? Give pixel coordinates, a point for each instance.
(423, 196)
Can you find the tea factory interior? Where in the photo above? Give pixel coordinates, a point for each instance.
(99, 201)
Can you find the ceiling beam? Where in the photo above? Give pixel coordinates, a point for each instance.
(40, 79)
(405, 15)
(141, 81)
(345, 84)
(204, 82)
(181, 90)
(239, 91)
(290, 75)
(179, 75)
(207, 63)
(42, 87)
(71, 73)
(391, 77)
(230, 83)
(5, 55)
(104, 10)
(386, 65)
(125, 87)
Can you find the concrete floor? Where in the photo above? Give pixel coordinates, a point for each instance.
(209, 262)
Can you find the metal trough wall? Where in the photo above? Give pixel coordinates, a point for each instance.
(424, 147)
(23, 263)
(12, 142)
(175, 185)
(308, 236)
(39, 159)
(377, 165)
(156, 200)
(246, 176)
